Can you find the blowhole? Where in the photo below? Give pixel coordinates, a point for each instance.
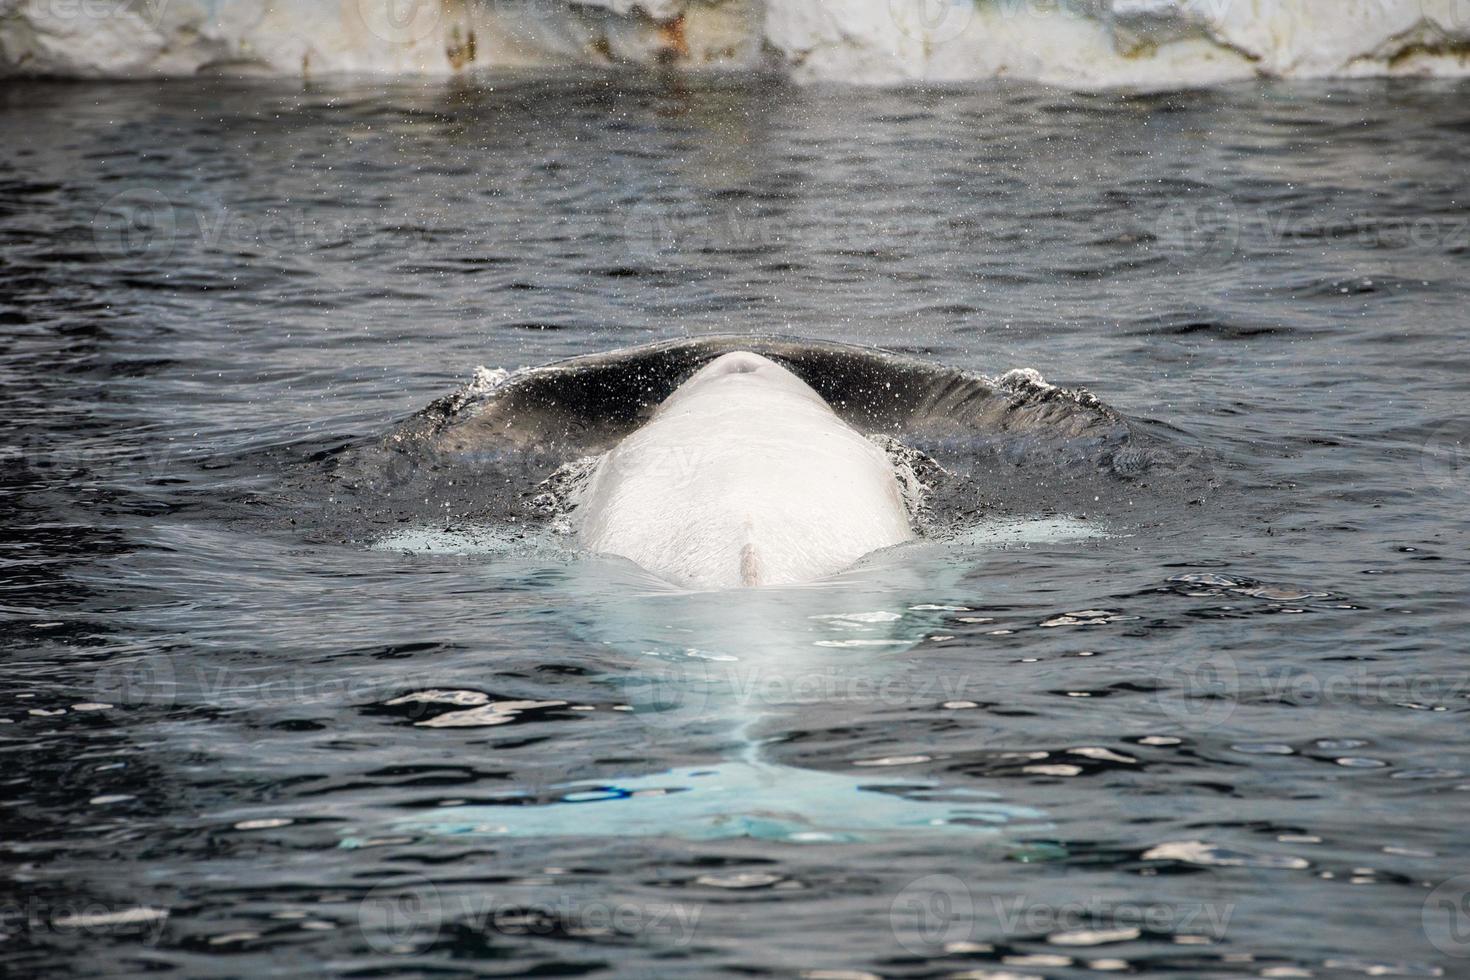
(740, 362)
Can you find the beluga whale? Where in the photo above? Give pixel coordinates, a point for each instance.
(812, 511)
(744, 476)
(733, 462)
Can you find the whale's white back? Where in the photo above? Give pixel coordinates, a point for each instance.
(744, 476)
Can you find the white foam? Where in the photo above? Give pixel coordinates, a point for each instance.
(474, 540)
(1023, 379)
(485, 381)
(1021, 532)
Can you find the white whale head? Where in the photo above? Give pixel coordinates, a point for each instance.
(743, 476)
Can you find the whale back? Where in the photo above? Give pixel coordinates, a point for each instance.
(498, 451)
(585, 404)
(743, 476)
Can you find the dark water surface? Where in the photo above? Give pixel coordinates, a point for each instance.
(1225, 739)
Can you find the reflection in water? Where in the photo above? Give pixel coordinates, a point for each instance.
(730, 659)
(738, 799)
